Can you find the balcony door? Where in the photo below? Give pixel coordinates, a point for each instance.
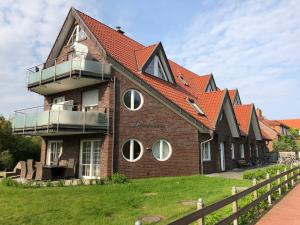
(90, 100)
(89, 165)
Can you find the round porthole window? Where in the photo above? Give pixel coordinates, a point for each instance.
(132, 150)
(133, 100)
(162, 150)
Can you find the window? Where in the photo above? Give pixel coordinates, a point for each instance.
(250, 150)
(90, 100)
(242, 151)
(256, 151)
(58, 99)
(54, 151)
(232, 151)
(209, 88)
(183, 80)
(77, 35)
(133, 100)
(195, 106)
(162, 150)
(159, 68)
(206, 151)
(132, 150)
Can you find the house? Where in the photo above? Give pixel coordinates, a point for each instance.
(292, 123)
(115, 105)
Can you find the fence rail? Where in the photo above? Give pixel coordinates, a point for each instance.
(288, 176)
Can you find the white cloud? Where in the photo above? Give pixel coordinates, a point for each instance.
(250, 45)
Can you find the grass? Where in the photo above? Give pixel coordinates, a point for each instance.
(113, 203)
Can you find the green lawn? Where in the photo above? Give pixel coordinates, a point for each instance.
(117, 204)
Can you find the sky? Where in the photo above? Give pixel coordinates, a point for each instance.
(250, 45)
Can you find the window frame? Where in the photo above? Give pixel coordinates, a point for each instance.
(77, 29)
(242, 147)
(49, 150)
(232, 151)
(256, 151)
(194, 105)
(132, 148)
(132, 99)
(160, 149)
(158, 63)
(209, 152)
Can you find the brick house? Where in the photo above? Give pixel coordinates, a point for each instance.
(115, 105)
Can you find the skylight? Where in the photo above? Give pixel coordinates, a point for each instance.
(183, 80)
(195, 106)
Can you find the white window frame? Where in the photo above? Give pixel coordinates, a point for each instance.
(132, 99)
(157, 63)
(49, 150)
(195, 106)
(161, 150)
(242, 151)
(232, 151)
(132, 149)
(76, 30)
(206, 147)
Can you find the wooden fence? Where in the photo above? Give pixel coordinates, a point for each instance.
(281, 179)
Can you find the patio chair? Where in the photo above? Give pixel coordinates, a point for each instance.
(15, 173)
(30, 169)
(41, 172)
(63, 162)
(23, 169)
(70, 170)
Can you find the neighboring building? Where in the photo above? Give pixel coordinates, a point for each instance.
(292, 123)
(113, 105)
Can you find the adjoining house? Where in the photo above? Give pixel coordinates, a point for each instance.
(292, 123)
(115, 105)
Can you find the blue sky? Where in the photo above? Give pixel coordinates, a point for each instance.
(250, 45)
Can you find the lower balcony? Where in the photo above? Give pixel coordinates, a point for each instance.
(59, 122)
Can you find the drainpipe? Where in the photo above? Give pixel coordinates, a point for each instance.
(113, 127)
(211, 133)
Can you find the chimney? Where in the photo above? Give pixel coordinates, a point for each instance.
(259, 113)
(118, 29)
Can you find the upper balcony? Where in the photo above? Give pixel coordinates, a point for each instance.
(59, 120)
(64, 74)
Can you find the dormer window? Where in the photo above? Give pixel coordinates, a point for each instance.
(195, 106)
(77, 35)
(209, 88)
(183, 80)
(158, 69)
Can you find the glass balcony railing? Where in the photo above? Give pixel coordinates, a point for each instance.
(30, 121)
(38, 75)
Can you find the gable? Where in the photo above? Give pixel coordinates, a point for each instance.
(230, 116)
(211, 86)
(255, 126)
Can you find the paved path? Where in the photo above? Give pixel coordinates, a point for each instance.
(285, 212)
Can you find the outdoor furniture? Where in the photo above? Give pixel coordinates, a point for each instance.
(42, 173)
(243, 163)
(55, 162)
(30, 169)
(63, 162)
(70, 170)
(23, 169)
(15, 173)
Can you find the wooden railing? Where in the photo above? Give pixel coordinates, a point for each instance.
(281, 179)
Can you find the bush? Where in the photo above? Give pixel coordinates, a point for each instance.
(6, 160)
(9, 182)
(118, 178)
(260, 174)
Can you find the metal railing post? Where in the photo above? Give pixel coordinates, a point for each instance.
(57, 125)
(36, 113)
(234, 205)
(84, 121)
(24, 123)
(269, 189)
(49, 115)
(200, 205)
(54, 70)
(278, 183)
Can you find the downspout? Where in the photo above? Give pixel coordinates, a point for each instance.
(113, 127)
(211, 133)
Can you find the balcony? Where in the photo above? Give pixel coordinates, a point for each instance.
(59, 120)
(61, 74)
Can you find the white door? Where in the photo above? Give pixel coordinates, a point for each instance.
(222, 156)
(89, 165)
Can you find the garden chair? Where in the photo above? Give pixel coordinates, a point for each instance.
(15, 173)
(70, 170)
(30, 169)
(42, 173)
(23, 169)
(63, 162)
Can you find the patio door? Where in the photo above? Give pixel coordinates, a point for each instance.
(89, 165)
(222, 156)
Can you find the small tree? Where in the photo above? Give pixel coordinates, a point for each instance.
(6, 160)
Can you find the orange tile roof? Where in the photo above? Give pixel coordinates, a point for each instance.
(133, 55)
(268, 133)
(293, 123)
(232, 94)
(243, 115)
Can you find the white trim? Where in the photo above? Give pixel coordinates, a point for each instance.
(91, 157)
(161, 150)
(242, 151)
(232, 151)
(132, 91)
(132, 150)
(222, 156)
(256, 151)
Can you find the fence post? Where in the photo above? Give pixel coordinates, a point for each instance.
(269, 189)
(200, 205)
(286, 178)
(254, 182)
(234, 205)
(138, 222)
(292, 174)
(278, 182)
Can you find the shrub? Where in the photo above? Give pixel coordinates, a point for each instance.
(9, 182)
(48, 183)
(61, 183)
(118, 178)
(6, 160)
(260, 174)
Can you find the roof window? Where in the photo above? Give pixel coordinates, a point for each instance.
(195, 106)
(183, 80)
